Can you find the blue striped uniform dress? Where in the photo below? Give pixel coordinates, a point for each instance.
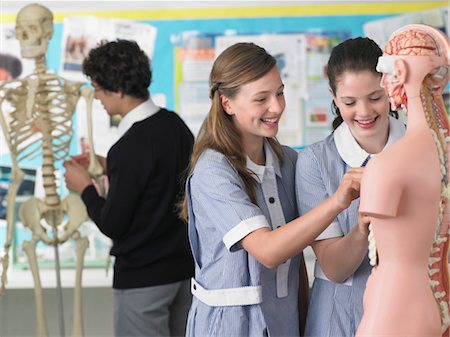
(335, 309)
(220, 215)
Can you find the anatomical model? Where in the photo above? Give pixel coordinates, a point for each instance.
(405, 193)
(36, 119)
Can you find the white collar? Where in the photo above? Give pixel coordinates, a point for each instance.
(271, 161)
(350, 151)
(139, 113)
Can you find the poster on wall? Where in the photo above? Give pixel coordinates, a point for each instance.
(193, 63)
(380, 30)
(12, 66)
(318, 115)
(82, 33)
(194, 57)
(301, 59)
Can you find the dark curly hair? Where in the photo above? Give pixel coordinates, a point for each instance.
(354, 55)
(119, 66)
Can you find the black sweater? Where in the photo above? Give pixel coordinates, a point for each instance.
(146, 169)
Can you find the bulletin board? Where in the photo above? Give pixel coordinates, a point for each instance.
(183, 43)
(184, 39)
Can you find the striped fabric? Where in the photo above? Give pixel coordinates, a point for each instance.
(335, 310)
(220, 215)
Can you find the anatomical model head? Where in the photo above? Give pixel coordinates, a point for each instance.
(414, 55)
(34, 29)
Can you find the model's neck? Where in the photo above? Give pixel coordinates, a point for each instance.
(41, 65)
(416, 115)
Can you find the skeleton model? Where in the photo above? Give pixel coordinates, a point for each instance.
(414, 216)
(36, 120)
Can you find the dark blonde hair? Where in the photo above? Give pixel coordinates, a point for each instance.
(239, 64)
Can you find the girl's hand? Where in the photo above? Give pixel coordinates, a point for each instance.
(363, 224)
(349, 187)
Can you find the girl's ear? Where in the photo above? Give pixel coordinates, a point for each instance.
(332, 95)
(226, 104)
(331, 91)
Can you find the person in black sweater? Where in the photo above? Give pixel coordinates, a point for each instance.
(145, 167)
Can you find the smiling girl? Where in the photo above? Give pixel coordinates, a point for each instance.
(240, 203)
(363, 127)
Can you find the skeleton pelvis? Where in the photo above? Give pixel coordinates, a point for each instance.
(69, 215)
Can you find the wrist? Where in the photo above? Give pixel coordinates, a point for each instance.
(84, 185)
(336, 204)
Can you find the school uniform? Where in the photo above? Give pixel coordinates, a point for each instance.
(153, 264)
(335, 309)
(234, 294)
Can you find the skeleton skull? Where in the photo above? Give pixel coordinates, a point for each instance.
(34, 29)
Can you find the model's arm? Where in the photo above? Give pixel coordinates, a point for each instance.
(340, 257)
(273, 247)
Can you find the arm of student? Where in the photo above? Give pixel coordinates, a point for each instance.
(273, 247)
(216, 188)
(128, 176)
(340, 257)
(331, 246)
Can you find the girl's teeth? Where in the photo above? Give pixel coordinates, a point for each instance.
(269, 120)
(366, 122)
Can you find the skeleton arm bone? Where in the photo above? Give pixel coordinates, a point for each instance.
(17, 176)
(95, 169)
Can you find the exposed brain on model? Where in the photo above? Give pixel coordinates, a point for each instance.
(412, 43)
(415, 41)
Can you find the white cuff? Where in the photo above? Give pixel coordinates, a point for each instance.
(244, 228)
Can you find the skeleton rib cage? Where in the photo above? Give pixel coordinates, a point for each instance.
(41, 124)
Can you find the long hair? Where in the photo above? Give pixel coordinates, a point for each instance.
(236, 66)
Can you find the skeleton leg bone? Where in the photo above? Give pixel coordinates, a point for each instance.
(82, 245)
(30, 249)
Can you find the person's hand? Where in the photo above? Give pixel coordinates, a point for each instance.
(349, 187)
(84, 160)
(363, 224)
(76, 176)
